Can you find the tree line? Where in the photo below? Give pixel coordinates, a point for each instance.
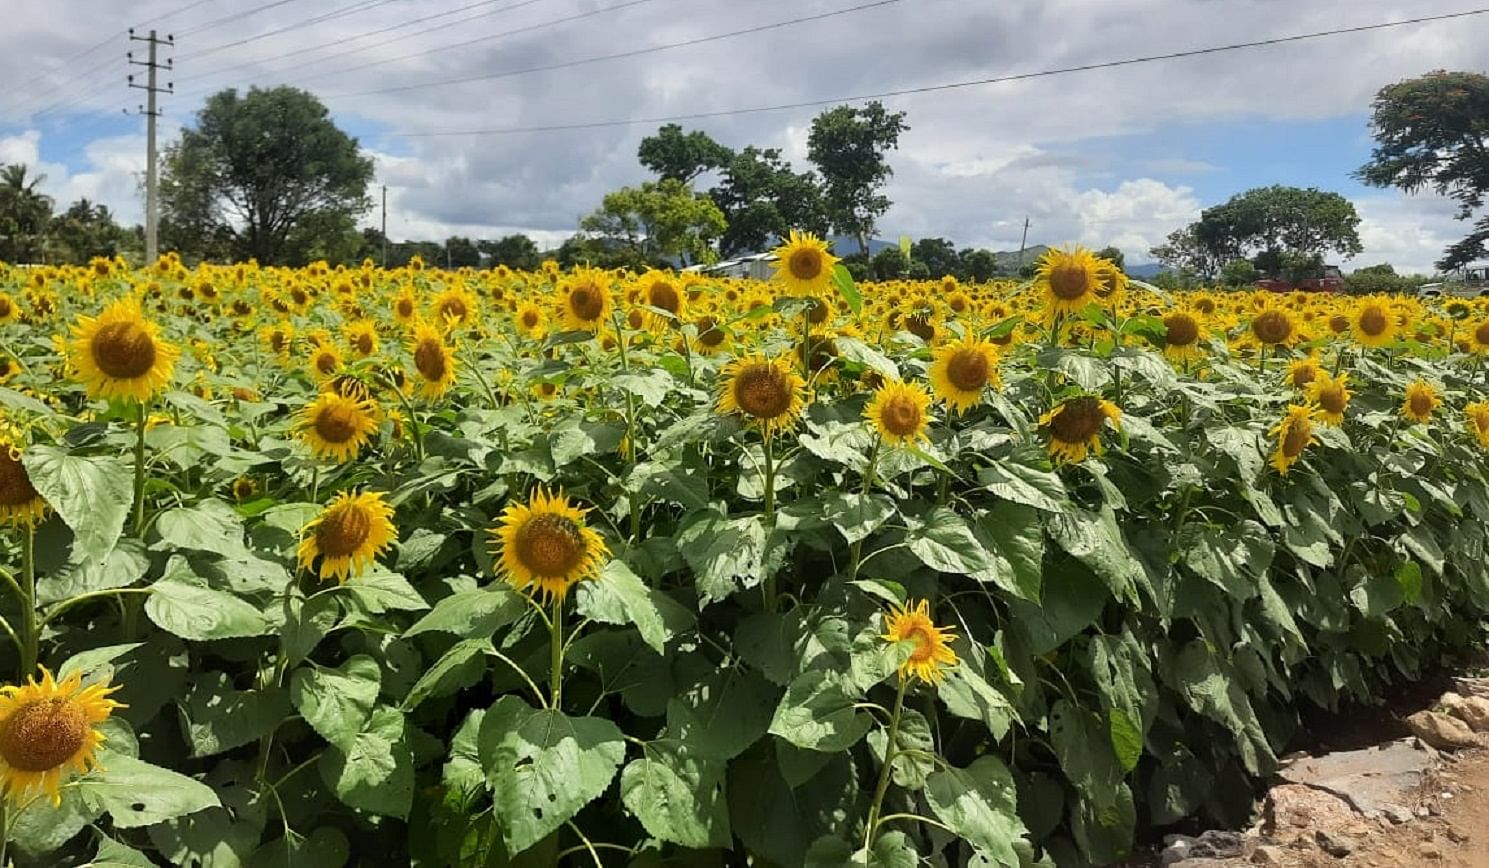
(31, 230)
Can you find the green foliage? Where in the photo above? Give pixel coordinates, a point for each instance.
(677, 156)
(645, 225)
(847, 144)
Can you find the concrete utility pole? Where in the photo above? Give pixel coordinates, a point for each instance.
(1023, 243)
(151, 111)
(385, 226)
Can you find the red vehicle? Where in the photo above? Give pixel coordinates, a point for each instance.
(1331, 280)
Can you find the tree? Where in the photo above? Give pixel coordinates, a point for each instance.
(1238, 272)
(84, 231)
(460, 253)
(763, 198)
(847, 145)
(889, 264)
(678, 156)
(939, 256)
(513, 251)
(1432, 133)
(1113, 255)
(658, 220)
(255, 168)
(1276, 227)
(25, 213)
(1182, 251)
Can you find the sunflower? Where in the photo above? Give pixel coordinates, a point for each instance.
(1373, 324)
(405, 307)
(1183, 331)
(1301, 372)
(455, 307)
(1478, 338)
(1477, 416)
(20, 502)
(347, 535)
(335, 426)
(244, 488)
(433, 360)
(1294, 434)
(1069, 279)
(961, 370)
(804, 265)
(531, 320)
(711, 336)
(1331, 396)
(586, 300)
(119, 353)
(361, 338)
(661, 292)
(767, 391)
(8, 368)
(48, 728)
(278, 339)
(325, 362)
(1075, 427)
(9, 310)
(932, 654)
(1421, 401)
(1274, 326)
(898, 411)
(545, 546)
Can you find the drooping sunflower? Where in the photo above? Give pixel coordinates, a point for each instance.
(1274, 326)
(531, 320)
(585, 300)
(1373, 323)
(1184, 330)
(1421, 401)
(1302, 372)
(804, 264)
(347, 535)
(336, 427)
(932, 654)
(325, 362)
(1075, 427)
(434, 361)
(768, 392)
(1331, 395)
(1477, 416)
(119, 353)
(20, 502)
(361, 337)
(545, 547)
(898, 412)
(1294, 434)
(962, 369)
(47, 729)
(1069, 279)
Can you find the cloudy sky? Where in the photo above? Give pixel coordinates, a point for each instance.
(1119, 155)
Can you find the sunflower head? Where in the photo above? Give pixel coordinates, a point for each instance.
(434, 362)
(1183, 332)
(1478, 338)
(336, 427)
(48, 728)
(1075, 427)
(361, 337)
(1476, 414)
(1301, 372)
(325, 362)
(1069, 279)
(20, 502)
(586, 300)
(931, 653)
(545, 547)
(347, 535)
(898, 412)
(804, 265)
(119, 353)
(531, 320)
(962, 370)
(767, 392)
(1294, 434)
(1373, 323)
(1421, 401)
(1274, 326)
(1330, 395)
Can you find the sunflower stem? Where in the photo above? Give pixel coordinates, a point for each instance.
(139, 471)
(856, 551)
(28, 605)
(768, 587)
(556, 632)
(889, 756)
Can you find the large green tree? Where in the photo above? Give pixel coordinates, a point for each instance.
(655, 221)
(25, 214)
(1270, 226)
(675, 155)
(86, 230)
(1432, 133)
(255, 169)
(763, 199)
(513, 251)
(847, 144)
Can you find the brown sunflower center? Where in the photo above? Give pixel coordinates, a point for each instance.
(123, 350)
(43, 735)
(1481, 334)
(429, 358)
(709, 333)
(325, 363)
(1078, 421)
(920, 326)
(15, 484)
(1296, 438)
(805, 263)
(924, 645)
(343, 531)
(662, 294)
(762, 391)
(6, 307)
(1332, 399)
(453, 308)
(1069, 282)
(1205, 305)
(1183, 331)
(958, 303)
(363, 343)
(1421, 403)
(550, 545)
(405, 307)
(587, 303)
(636, 318)
(1304, 375)
(337, 423)
(1272, 327)
(901, 416)
(967, 370)
(530, 319)
(1373, 321)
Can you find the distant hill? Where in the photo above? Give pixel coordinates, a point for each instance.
(1145, 271)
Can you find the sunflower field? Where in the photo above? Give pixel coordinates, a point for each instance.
(350, 566)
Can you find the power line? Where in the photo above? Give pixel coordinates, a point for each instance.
(910, 91)
(362, 6)
(184, 9)
(236, 16)
(619, 55)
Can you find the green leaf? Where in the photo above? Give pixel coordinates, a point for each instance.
(1013, 536)
(726, 554)
(910, 769)
(543, 766)
(326, 847)
(1230, 557)
(306, 623)
(1015, 480)
(126, 564)
(1409, 577)
(678, 797)
(818, 713)
(943, 541)
(453, 671)
(619, 597)
(1095, 539)
(890, 850)
(842, 278)
(41, 828)
(210, 837)
(217, 716)
(93, 496)
(1214, 691)
(136, 793)
(1127, 742)
(1082, 744)
(967, 694)
(374, 772)
(112, 854)
(651, 387)
(722, 715)
(379, 592)
(979, 803)
(473, 614)
(856, 515)
(855, 350)
(337, 702)
(179, 605)
(210, 526)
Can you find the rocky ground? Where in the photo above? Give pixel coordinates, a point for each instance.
(1418, 800)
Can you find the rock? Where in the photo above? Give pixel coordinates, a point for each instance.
(1179, 848)
(1442, 731)
(1368, 779)
(1397, 814)
(1219, 844)
(1294, 809)
(1456, 836)
(1334, 843)
(1424, 811)
(1268, 854)
(1472, 710)
(1429, 850)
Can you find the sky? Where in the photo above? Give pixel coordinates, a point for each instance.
(1118, 156)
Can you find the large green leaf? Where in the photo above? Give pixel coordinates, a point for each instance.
(180, 604)
(677, 796)
(337, 702)
(1231, 557)
(819, 712)
(1013, 536)
(1095, 539)
(726, 554)
(209, 526)
(136, 793)
(473, 614)
(217, 716)
(1013, 479)
(722, 715)
(979, 803)
(1083, 744)
(856, 515)
(92, 495)
(943, 541)
(619, 596)
(374, 772)
(543, 766)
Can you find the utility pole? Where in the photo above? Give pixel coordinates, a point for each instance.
(1023, 243)
(151, 111)
(385, 226)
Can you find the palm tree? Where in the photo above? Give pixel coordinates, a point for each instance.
(24, 213)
